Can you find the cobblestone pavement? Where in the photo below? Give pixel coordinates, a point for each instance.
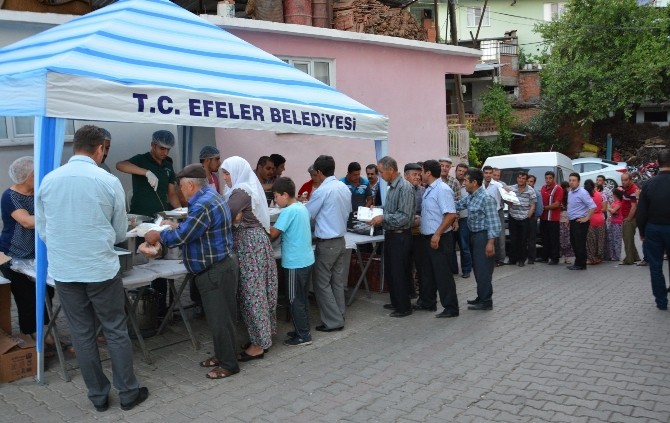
(559, 346)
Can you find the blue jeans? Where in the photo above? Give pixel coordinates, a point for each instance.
(656, 244)
(464, 244)
(296, 288)
(482, 266)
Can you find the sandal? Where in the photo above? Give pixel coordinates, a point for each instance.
(219, 373)
(210, 362)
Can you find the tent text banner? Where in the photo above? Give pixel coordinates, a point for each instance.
(80, 97)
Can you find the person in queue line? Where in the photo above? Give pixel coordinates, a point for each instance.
(306, 190)
(107, 146)
(484, 225)
(18, 241)
(580, 209)
(372, 172)
(257, 293)
(412, 173)
(615, 227)
(608, 199)
(551, 196)
(462, 236)
(397, 220)
(297, 257)
(206, 239)
(595, 239)
(519, 218)
(532, 221)
(154, 190)
(566, 247)
(85, 267)
(361, 195)
(280, 165)
(438, 213)
(329, 208)
(653, 221)
(492, 188)
(210, 159)
(628, 210)
(452, 182)
(265, 172)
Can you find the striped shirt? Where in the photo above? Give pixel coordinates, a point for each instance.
(399, 205)
(482, 212)
(526, 198)
(206, 234)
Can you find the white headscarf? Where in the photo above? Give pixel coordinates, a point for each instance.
(242, 177)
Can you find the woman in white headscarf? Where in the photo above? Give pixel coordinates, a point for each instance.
(257, 292)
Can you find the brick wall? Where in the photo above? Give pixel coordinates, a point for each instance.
(529, 87)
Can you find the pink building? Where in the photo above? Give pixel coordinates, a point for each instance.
(402, 79)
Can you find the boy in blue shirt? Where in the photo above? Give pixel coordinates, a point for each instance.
(297, 256)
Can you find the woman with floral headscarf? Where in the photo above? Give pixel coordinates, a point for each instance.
(257, 292)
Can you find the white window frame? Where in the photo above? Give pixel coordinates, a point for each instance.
(552, 11)
(15, 138)
(307, 63)
(473, 15)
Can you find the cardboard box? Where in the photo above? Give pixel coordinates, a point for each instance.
(18, 357)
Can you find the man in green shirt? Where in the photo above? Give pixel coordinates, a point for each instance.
(154, 182)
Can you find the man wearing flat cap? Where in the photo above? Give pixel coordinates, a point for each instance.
(210, 158)
(206, 239)
(412, 173)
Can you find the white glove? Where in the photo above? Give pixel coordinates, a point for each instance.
(153, 180)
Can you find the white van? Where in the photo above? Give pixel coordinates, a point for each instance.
(535, 164)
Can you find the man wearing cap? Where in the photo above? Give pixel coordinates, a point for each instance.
(153, 177)
(210, 158)
(412, 173)
(206, 239)
(154, 190)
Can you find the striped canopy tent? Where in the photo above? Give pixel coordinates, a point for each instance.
(151, 61)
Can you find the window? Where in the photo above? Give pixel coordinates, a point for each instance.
(655, 117)
(19, 130)
(553, 11)
(475, 14)
(592, 167)
(321, 69)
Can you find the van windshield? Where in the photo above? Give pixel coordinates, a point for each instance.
(508, 175)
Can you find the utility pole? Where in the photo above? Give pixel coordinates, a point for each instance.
(457, 77)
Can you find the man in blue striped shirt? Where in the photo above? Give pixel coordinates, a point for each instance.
(206, 239)
(484, 227)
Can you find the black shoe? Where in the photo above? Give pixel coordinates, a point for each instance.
(510, 263)
(481, 306)
(446, 314)
(475, 301)
(389, 306)
(465, 275)
(520, 264)
(553, 262)
(290, 334)
(541, 260)
(420, 307)
(401, 313)
(297, 342)
(323, 328)
(244, 357)
(142, 395)
(575, 267)
(102, 408)
(658, 306)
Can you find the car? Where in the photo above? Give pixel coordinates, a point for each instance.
(591, 167)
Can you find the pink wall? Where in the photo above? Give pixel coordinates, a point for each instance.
(404, 84)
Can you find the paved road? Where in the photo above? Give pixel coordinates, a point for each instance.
(559, 346)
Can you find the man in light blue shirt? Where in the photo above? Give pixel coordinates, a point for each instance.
(580, 209)
(80, 215)
(329, 207)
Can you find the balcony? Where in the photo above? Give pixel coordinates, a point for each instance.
(480, 126)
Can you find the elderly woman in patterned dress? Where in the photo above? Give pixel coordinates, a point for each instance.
(257, 292)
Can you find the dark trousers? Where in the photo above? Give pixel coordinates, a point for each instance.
(453, 258)
(437, 276)
(482, 266)
(532, 239)
(551, 239)
(463, 240)
(415, 262)
(518, 236)
(655, 246)
(296, 289)
(84, 303)
(24, 293)
(397, 250)
(218, 288)
(578, 233)
(160, 287)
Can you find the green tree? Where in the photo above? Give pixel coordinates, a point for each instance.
(606, 56)
(498, 107)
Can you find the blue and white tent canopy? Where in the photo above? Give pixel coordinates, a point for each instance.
(152, 61)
